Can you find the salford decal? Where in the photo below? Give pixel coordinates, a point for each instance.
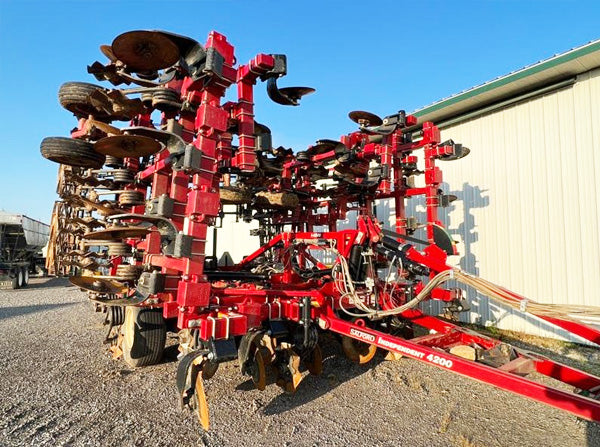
(362, 335)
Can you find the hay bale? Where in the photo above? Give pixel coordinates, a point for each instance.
(231, 195)
(269, 199)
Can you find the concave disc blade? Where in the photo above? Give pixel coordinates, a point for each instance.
(145, 50)
(98, 285)
(122, 146)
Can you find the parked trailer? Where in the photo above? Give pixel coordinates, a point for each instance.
(22, 241)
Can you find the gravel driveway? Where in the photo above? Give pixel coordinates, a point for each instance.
(60, 387)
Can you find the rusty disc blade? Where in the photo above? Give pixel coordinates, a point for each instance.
(108, 52)
(291, 385)
(462, 153)
(93, 254)
(91, 124)
(130, 301)
(122, 146)
(358, 351)
(97, 285)
(443, 239)
(75, 253)
(314, 362)
(145, 50)
(209, 369)
(100, 207)
(363, 118)
(296, 93)
(290, 378)
(323, 146)
(259, 374)
(117, 233)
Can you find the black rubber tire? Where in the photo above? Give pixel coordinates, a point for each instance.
(25, 271)
(14, 283)
(69, 151)
(74, 96)
(144, 336)
(20, 278)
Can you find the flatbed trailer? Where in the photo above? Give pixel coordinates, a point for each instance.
(22, 240)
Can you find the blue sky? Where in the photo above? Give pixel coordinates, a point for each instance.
(376, 56)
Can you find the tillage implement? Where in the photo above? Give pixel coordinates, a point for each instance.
(139, 202)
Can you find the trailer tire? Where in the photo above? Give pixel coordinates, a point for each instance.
(20, 278)
(144, 336)
(14, 283)
(69, 151)
(25, 276)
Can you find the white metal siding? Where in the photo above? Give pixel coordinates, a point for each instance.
(234, 237)
(528, 208)
(527, 214)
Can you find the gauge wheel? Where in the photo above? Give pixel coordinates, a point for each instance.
(75, 97)
(68, 151)
(144, 336)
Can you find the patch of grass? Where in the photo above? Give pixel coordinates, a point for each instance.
(445, 422)
(415, 382)
(464, 441)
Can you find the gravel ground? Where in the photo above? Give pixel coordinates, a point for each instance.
(60, 387)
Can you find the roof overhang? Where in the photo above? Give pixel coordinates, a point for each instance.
(541, 74)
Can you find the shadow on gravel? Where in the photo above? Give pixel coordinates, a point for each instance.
(170, 354)
(593, 434)
(48, 283)
(17, 311)
(337, 369)
(592, 367)
(312, 388)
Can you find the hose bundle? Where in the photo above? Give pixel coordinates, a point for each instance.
(346, 287)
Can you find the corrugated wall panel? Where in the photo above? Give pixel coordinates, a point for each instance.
(528, 208)
(529, 193)
(234, 237)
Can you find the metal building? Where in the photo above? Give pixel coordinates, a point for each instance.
(528, 208)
